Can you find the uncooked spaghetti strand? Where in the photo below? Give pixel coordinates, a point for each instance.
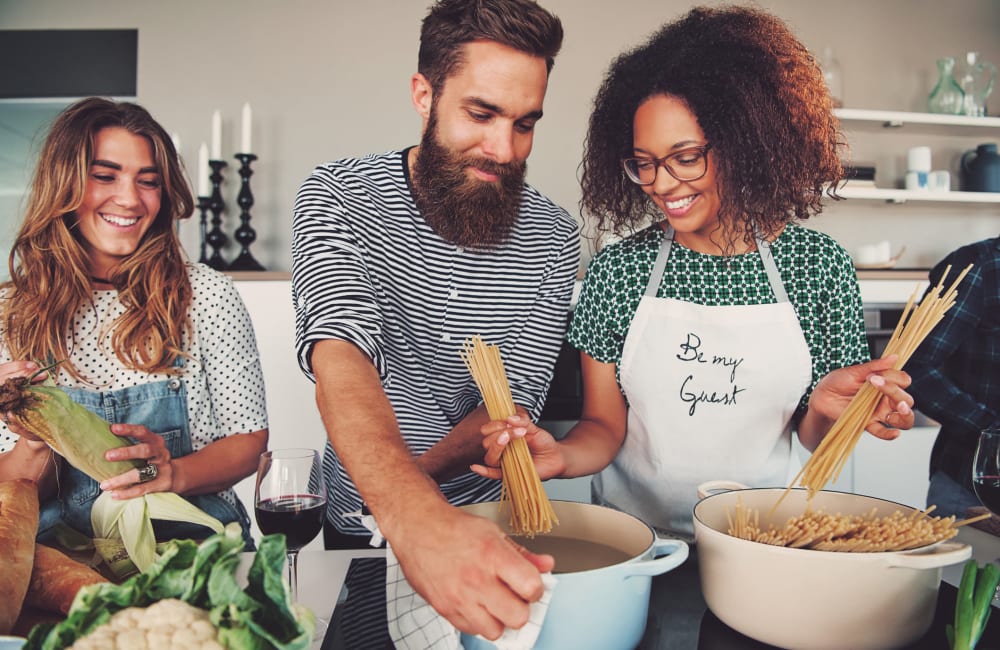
(917, 321)
(530, 510)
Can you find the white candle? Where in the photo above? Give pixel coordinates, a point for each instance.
(245, 142)
(203, 171)
(176, 139)
(216, 136)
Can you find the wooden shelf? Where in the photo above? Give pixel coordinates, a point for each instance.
(259, 275)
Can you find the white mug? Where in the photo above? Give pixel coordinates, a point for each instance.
(918, 159)
(916, 180)
(939, 180)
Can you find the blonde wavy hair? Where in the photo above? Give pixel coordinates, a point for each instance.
(49, 266)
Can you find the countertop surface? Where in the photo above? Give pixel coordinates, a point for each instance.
(678, 617)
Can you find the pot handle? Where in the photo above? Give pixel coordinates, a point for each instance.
(708, 487)
(667, 554)
(940, 555)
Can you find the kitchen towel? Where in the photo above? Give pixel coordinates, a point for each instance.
(415, 625)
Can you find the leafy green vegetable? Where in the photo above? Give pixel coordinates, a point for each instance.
(973, 604)
(260, 617)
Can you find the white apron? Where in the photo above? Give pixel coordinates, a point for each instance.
(711, 393)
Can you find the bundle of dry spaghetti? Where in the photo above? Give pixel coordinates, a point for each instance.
(530, 510)
(866, 533)
(914, 325)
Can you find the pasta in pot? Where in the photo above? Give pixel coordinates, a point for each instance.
(823, 531)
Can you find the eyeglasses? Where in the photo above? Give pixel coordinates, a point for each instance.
(687, 165)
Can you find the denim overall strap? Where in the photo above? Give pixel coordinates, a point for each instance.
(162, 407)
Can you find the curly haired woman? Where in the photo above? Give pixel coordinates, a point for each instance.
(162, 348)
(719, 325)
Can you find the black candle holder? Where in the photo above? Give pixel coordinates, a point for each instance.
(245, 234)
(204, 203)
(215, 237)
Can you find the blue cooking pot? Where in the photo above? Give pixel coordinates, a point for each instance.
(598, 608)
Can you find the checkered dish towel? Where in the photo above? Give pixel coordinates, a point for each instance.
(415, 625)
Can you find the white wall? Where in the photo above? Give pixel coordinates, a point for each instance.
(291, 398)
(330, 78)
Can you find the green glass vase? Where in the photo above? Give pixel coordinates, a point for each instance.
(947, 96)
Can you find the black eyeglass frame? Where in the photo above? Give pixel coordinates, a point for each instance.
(662, 162)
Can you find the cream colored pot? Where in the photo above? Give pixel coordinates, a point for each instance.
(816, 600)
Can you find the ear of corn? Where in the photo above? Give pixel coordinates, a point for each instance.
(82, 438)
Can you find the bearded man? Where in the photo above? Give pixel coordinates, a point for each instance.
(397, 259)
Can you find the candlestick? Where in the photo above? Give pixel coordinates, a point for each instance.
(203, 172)
(245, 234)
(204, 203)
(216, 135)
(215, 237)
(245, 140)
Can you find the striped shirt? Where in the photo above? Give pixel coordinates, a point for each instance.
(366, 268)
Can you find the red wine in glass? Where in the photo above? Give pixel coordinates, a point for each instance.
(290, 498)
(298, 516)
(988, 490)
(986, 470)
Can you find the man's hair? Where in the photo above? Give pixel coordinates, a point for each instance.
(519, 24)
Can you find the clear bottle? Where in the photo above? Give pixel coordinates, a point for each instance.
(947, 96)
(833, 76)
(976, 79)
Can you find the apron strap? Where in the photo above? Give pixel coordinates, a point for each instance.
(767, 257)
(763, 247)
(653, 285)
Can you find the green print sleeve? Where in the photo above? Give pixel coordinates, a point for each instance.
(837, 338)
(592, 329)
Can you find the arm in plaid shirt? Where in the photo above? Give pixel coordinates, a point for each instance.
(956, 370)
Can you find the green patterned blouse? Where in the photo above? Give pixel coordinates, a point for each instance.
(817, 272)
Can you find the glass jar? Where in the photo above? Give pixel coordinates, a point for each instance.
(833, 77)
(947, 96)
(976, 80)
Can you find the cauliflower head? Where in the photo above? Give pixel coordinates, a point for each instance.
(169, 624)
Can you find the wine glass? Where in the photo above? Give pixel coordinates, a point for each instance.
(986, 470)
(290, 498)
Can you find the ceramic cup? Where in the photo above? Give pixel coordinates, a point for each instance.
(939, 180)
(918, 159)
(878, 253)
(917, 180)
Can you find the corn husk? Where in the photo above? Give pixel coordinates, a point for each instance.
(82, 438)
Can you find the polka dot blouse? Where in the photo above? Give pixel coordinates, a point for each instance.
(817, 272)
(223, 378)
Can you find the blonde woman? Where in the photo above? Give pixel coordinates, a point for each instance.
(161, 347)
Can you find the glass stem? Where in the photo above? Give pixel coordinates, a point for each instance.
(293, 575)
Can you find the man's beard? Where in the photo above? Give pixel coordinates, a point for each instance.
(465, 211)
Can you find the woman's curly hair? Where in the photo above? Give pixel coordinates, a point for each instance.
(761, 101)
(49, 265)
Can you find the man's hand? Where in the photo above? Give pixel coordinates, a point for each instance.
(468, 570)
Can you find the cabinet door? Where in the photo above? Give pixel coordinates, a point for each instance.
(895, 469)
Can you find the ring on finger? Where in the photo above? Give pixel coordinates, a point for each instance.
(148, 472)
